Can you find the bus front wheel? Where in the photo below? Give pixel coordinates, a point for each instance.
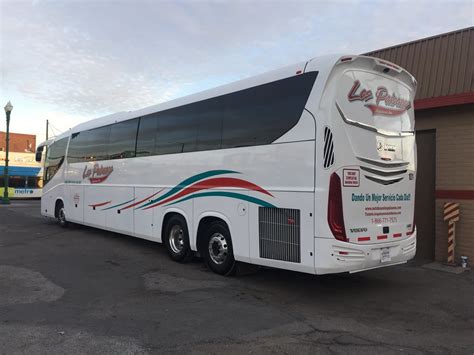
(61, 214)
(218, 253)
(176, 239)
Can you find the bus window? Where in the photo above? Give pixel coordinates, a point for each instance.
(262, 114)
(147, 135)
(54, 158)
(89, 145)
(122, 139)
(177, 130)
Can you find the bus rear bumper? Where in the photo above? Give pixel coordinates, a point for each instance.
(333, 256)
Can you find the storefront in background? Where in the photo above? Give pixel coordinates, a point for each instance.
(24, 173)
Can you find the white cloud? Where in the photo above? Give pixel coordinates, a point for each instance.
(88, 58)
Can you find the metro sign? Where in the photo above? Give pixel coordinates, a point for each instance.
(392, 105)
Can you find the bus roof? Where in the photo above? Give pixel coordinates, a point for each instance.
(323, 64)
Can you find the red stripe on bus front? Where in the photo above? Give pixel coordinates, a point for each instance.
(363, 239)
(380, 237)
(397, 235)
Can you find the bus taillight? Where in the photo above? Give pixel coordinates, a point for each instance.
(335, 213)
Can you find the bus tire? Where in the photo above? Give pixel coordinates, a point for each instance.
(217, 249)
(176, 239)
(61, 214)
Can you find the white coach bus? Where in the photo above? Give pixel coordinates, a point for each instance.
(308, 168)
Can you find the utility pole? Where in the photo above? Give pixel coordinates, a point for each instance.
(47, 126)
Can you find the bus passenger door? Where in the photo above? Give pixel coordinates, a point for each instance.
(143, 218)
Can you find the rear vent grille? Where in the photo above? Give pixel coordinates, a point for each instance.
(383, 182)
(328, 148)
(279, 234)
(385, 173)
(395, 164)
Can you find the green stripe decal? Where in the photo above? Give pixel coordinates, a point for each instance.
(235, 195)
(120, 204)
(187, 182)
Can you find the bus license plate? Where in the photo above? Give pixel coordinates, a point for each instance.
(385, 255)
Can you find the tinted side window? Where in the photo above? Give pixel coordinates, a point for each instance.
(122, 139)
(89, 145)
(56, 152)
(177, 130)
(208, 115)
(261, 114)
(147, 135)
(54, 158)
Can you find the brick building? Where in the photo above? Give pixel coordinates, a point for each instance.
(19, 142)
(444, 112)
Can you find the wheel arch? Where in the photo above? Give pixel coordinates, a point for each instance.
(170, 212)
(203, 221)
(56, 206)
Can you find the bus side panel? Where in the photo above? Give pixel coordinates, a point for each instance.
(96, 200)
(118, 219)
(235, 214)
(74, 203)
(143, 226)
(301, 202)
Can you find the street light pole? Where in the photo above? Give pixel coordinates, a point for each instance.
(8, 110)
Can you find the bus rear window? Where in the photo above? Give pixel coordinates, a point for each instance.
(375, 100)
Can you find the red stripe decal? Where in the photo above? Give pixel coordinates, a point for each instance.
(409, 233)
(100, 204)
(397, 235)
(380, 237)
(363, 239)
(212, 183)
(343, 253)
(138, 202)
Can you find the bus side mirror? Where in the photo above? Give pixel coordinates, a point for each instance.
(39, 153)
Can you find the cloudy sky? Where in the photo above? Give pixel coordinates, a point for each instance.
(69, 61)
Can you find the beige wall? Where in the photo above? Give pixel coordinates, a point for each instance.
(454, 171)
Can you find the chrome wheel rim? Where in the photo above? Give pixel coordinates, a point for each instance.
(218, 248)
(176, 239)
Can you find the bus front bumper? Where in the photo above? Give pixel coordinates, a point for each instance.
(334, 256)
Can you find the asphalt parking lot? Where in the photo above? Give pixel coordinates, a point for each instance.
(82, 290)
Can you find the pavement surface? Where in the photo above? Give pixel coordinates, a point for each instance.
(83, 290)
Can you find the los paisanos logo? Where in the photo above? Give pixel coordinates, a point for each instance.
(392, 105)
(97, 174)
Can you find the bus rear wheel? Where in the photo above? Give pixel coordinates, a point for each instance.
(176, 239)
(61, 214)
(217, 250)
